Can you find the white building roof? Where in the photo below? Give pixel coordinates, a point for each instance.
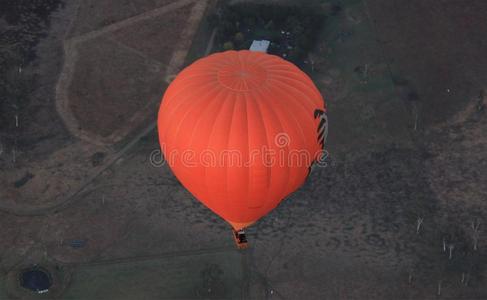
(260, 46)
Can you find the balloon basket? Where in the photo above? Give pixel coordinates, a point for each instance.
(240, 239)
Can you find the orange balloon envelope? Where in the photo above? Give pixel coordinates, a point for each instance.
(240, 130)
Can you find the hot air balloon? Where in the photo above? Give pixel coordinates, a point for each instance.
(240, 130)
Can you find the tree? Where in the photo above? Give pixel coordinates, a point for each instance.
(239, 38)
(228, 46)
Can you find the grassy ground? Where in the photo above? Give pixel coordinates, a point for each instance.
(216, 276)
(3, 289)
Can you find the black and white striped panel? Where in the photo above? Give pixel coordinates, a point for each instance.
(322, 129)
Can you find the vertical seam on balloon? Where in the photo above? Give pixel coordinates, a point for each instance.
(302, 104)
(264, 59)
(281, 128)
(180, 99)
(245, 99)
(281, 117)
(299, 103)
(296, 102)
(239, 60)
(308, 97)
(205, 110)
(241, 82)
(194, 107)
(284, 86)
(197, 86)
(181, 103)
(209, 139)
(295, 71)
(228, 140)
(262, 122)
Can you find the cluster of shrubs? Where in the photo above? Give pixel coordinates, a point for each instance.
(292, 30)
